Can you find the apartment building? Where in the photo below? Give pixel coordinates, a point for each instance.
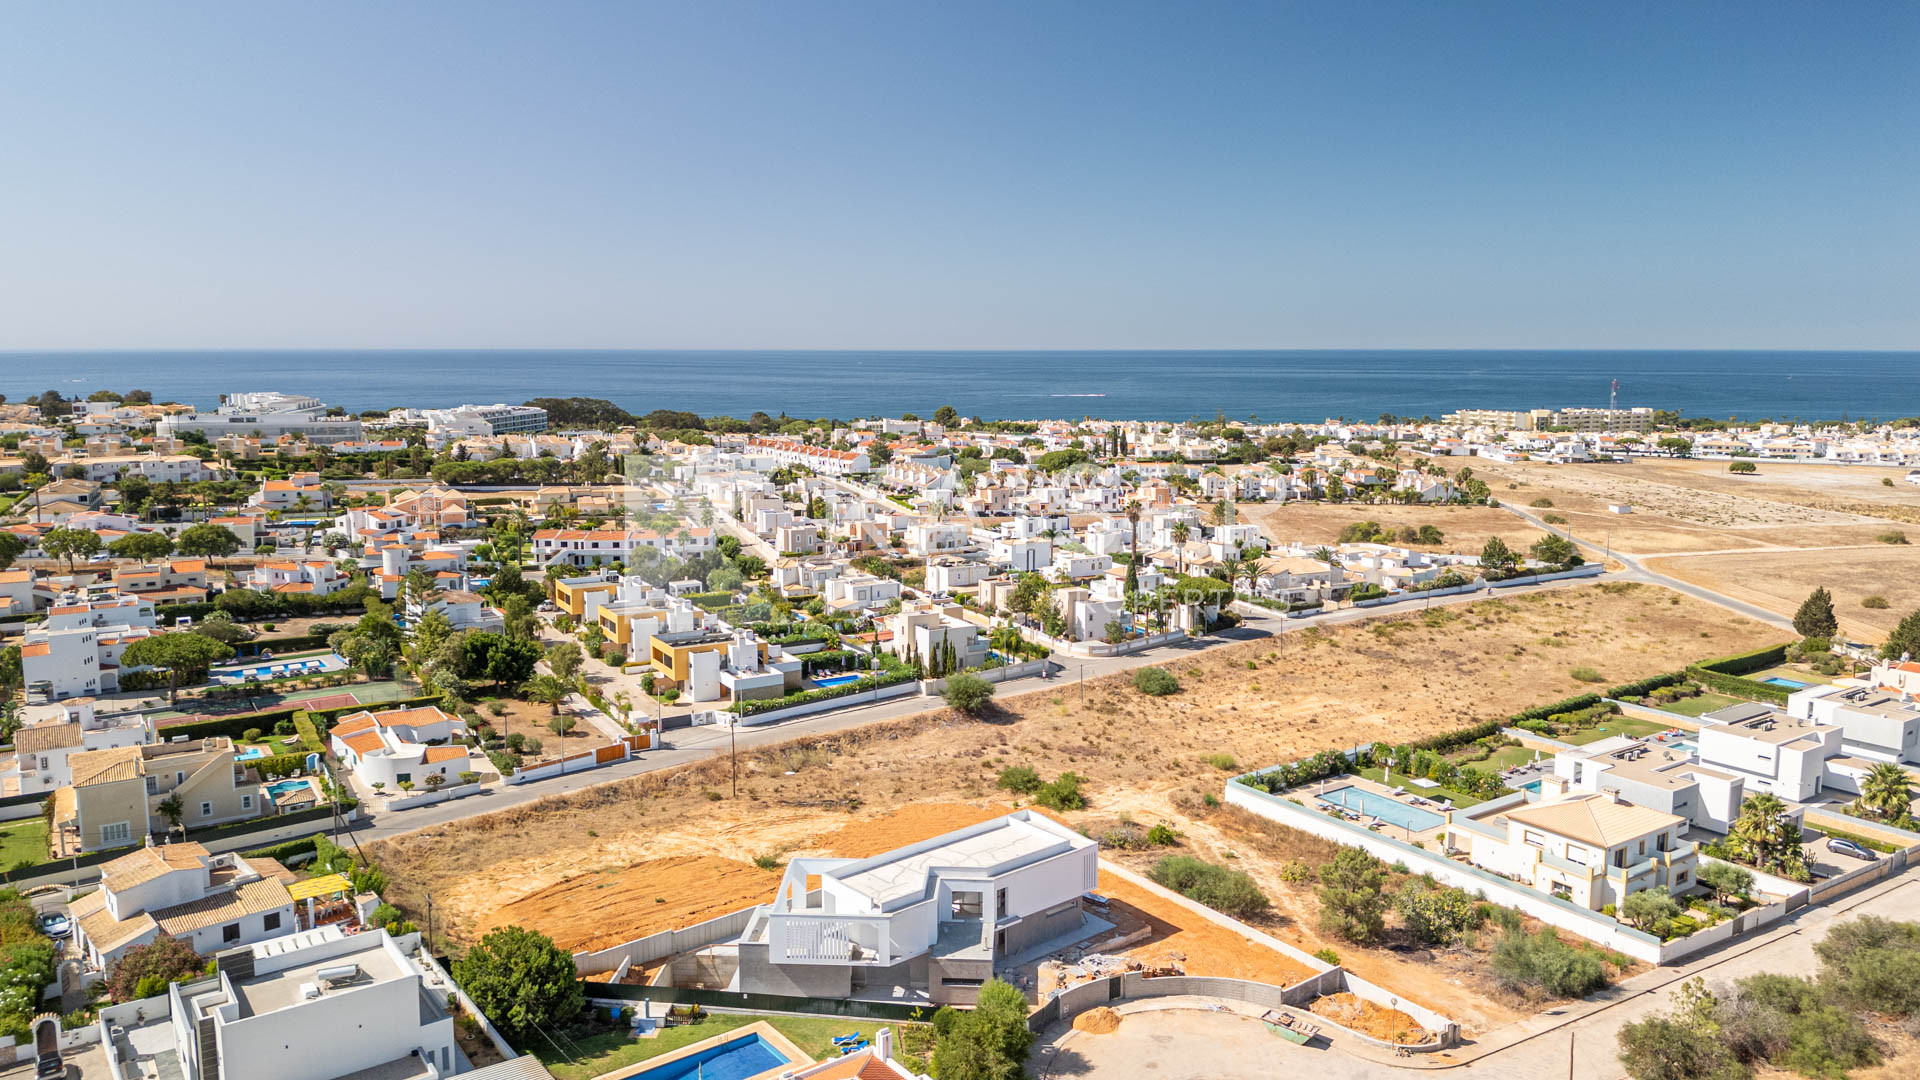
(1770, 749)
(784, 453)
(1589, 849)
(484, 421)
(158, 468)
(316, 576)
(1876, 724)
(600, 547)
(299, 492)
(575, 595)
(76, 651)
(264, 415)
(182, 891)
(933, 917)
(316, 1005)
(116, 794)
(950, 575)
(386, 748)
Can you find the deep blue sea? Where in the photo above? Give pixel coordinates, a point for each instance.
(1291, 386)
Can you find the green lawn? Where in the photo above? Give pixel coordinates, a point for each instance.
(814, 1034)
(1460, 799)
(1698, 706)
(1616, 725)
(1503, 759)
(23, 841)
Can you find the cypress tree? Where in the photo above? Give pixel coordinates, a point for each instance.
(1815, 618)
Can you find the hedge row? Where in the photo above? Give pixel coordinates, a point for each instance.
(1643, 687)
(1723, 675)
(233, 727)
(318, 813)
(1741, 663)
(804, 697)
(709, 601)
(282, 645)
(1572, 704)
(286, 849)
(1447, 740)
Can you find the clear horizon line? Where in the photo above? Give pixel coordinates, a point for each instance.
(20, 350)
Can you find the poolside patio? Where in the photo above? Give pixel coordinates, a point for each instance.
(1399, 811)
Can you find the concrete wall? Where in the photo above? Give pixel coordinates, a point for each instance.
(1133, 987)
(759, 976)
(664, 944)
(865, 697)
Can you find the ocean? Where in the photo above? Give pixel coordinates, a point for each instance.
(1282, 385)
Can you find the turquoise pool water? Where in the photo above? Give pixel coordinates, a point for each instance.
(252, 752)
(836, 680)
(736, 1060)
(1531, 785)
(1389, 810)
(281, 787)
(1791, 684)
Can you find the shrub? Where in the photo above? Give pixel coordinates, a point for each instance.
(1743, 467)
(1541, 963)
(1223, 762)
(1327, 956)
(1021, 779)
(969, 694)
(1874, 964)
(1554, 519)
(1224, 890)
(1163, 835)
(1541, 504)
(1650, 909)
(1062, 793)
(1893, 536)
(1155, 682)
(146, 970)
(1436, 916)
(1876, 602)
(1587, 674)
(1296, 872)
(252, 734)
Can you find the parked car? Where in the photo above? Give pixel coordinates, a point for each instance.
(1847, 847)
(55, 925)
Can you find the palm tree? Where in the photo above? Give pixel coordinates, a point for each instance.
(1886, 790)
(1181, 530)
(548, 690)
(1133, 544)
(1763, 834)
(1251, 567)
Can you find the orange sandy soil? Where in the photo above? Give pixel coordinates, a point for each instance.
(1397, 677)
(1202, 946)
(1358, 1014)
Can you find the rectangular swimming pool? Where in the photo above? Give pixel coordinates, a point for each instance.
(837, 680)
(735, 1060)
(1392, 811)
(1791, 684)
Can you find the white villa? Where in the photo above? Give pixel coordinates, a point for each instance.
(180, 890)
(401, 744)
(933, 917)
(1589, 849)
(1876, 724)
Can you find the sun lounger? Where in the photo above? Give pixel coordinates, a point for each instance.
(842, 1040)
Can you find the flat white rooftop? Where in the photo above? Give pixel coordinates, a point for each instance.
(990, 847)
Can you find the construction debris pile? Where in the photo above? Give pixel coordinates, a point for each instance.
(1058, 975)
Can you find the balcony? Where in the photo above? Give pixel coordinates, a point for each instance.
(831, 939)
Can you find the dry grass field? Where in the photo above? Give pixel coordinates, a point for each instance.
(1780, 580)
(1698, 506)
(611, 862)
(1466, 528)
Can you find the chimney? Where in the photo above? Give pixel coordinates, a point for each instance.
(883, 1044)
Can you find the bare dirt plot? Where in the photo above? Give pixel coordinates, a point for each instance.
(599, 911)
(1465, 528)
(1641, 534)
(1400, 677)
(530, 718)
(1203, 947)
(1670, 507)
(1780, 580)
(1854, 488)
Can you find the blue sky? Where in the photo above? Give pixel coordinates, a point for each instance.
(961, 175)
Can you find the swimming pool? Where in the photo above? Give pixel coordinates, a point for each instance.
(281, 787)
(1791, 684)
(734, 1060)
(252, 752)
(1389, 810)
(836, 680)
(1531, 785)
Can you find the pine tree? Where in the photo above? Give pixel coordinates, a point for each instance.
(1905, 639)
(1815, 618)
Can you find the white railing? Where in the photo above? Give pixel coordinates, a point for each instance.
(830, 939)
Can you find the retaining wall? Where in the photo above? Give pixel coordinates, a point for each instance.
(934, 687)
(1588, 570)
(1137, 987)
(664, 944)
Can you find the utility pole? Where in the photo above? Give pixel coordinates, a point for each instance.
(733, 752)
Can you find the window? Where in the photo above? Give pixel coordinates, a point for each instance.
(1576, 854)
(119, 832)
(1531, 837)
(967, 905)
(403, 778)
(270, 921)
(246, 802)
(44, 762)
(1680, 878)
(206, 809)
(230, 932)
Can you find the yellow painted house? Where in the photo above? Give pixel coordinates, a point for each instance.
(571, 596)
